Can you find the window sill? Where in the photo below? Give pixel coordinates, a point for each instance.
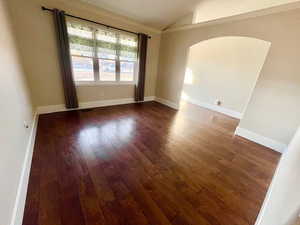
(93, 83)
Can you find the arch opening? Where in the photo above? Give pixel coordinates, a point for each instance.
(221, 73)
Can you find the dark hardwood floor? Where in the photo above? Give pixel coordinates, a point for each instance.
(145, 164)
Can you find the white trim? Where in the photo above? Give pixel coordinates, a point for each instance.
(149, 98)
(216, 108)
(103, 83)
(167, 103)
(92, 104)
(18, 211)
(270, 191)
(243, 16)
(50, 109)
(265, 141)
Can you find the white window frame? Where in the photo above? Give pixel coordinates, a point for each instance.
(96, 69)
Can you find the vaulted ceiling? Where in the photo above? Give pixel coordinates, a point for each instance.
(160, 14)
(154, 13)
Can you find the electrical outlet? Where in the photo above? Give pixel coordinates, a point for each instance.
(25, 124)
(218, 102)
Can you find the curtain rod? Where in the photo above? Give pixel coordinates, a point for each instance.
(91, 21)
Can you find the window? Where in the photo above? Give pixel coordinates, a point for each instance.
(83, 68)
(101, 55)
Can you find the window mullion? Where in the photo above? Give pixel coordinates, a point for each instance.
(95, 58)
(118, 69)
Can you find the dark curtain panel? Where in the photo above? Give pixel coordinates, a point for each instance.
(142, 55)
(65, 59)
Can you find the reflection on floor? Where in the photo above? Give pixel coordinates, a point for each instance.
(145, 164)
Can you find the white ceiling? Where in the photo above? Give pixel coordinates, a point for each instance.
(160, 14)
(154, 13)
(214, 9)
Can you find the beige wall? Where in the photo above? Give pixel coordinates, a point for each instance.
(15, 108)
(282, 206)
(36, 37)
(219, 68)
(273, 109)
(214, 9)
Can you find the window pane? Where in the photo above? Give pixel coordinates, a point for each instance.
(106, 44)
(128, 55)
(127, 71)
(82, 69)
(81, 50)
(106, 53)
(128, 47)
(81, 39)
(79, 30)
(105, 36)
(128, 40)
(107, 70)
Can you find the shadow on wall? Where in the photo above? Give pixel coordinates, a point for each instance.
(221, 73)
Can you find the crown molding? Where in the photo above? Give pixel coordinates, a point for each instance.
(257, 13)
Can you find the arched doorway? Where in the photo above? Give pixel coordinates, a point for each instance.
(221, 73)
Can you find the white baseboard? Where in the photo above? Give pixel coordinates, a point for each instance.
(265, 141)
(92, 104)
(270, 192)
(216, 108)
(167, 103)
(149, 98)
(18, 211)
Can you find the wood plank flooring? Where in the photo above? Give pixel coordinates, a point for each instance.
(145, 164)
